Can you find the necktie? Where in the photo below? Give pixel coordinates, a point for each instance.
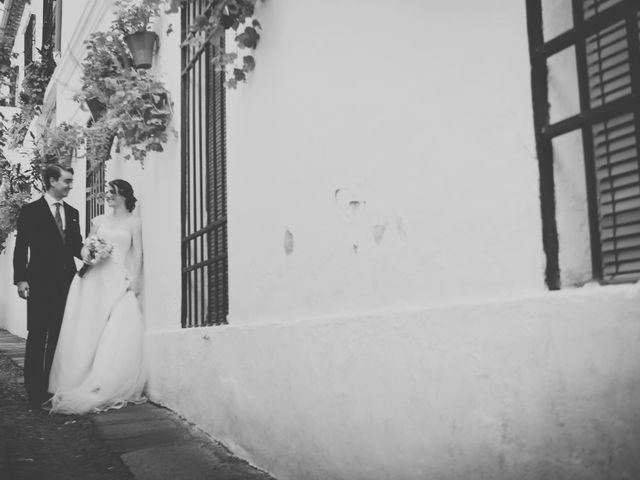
(58, 219)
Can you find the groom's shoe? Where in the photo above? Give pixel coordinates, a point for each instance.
(35, 404)
(35, 401)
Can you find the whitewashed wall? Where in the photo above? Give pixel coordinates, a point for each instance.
(406, 332)
(543, 387)
(157, 188)
(420, 113)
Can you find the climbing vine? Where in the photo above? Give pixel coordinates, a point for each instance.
(220, 17)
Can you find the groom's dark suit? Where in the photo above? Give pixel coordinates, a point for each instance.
(44, 258)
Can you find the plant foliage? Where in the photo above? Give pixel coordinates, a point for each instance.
(221, 16)
(37, 76)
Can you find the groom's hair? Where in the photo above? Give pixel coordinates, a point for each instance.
(53, 172)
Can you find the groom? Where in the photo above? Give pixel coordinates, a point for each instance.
(48, 237)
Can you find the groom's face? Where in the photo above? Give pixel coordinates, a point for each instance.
(60, 188)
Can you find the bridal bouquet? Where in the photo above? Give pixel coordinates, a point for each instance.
(98, 249)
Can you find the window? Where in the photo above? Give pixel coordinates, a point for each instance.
(95, 188)
(51, 16)
(204, 192)
(598, 42)
(29, 39)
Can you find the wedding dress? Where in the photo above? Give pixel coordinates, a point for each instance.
(99, 359)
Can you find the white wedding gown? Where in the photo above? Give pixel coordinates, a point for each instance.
(99, 360)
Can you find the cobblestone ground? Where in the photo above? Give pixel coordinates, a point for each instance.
(37, 446)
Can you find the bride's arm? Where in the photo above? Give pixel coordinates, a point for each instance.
(84, 252)
(136, 256)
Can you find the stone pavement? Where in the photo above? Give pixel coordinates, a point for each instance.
(153, 442)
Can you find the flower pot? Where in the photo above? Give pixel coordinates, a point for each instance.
(142, 45)
(96, 107)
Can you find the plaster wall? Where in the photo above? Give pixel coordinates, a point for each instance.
(157, 187)
(383, 163)
(572, 217)
(541, 387)
(13, 310)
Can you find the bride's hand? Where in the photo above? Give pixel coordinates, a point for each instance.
(86, 256)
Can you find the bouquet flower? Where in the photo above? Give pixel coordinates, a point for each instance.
(98, 250)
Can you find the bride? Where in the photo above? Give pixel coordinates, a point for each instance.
(99, 360)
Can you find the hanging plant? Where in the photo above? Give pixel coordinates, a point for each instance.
(223, 15)
(106, 56)
(139, 112)
(59, 143)
(56, 144)
(98, 142)
(133, 19)
(134, 16)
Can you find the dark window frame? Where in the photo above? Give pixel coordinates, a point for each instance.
(205, 284)
(539, 52)
(48, 23)
(29, 40)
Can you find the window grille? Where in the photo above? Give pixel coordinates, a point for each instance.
(95, 188)
(204, 192)
(605, 36)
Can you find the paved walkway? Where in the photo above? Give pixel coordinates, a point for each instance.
(153, 442)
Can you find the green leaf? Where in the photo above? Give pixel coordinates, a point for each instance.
(249, 63)
(249, 38)
(239, 75)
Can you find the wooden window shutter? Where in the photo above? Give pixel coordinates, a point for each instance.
(615, 147)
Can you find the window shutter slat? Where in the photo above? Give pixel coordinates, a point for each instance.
(608, 64)
(618, 174)
(592, 7)
(615, 150)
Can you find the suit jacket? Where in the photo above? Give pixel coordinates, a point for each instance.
(44, 259)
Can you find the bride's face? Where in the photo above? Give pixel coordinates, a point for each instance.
(113, 198)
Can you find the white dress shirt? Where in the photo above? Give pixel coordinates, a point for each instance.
(52, 201)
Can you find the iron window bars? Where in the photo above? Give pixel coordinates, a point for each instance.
(205, 285)
(605, 35)
(95, 188)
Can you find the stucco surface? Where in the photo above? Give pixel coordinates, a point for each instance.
(541, 387)
(383, 166)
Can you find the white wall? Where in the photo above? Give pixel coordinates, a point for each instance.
(157, 188)
(572, 216)
(543, 387)
(13, 310)
(333, 366)
(418, 111)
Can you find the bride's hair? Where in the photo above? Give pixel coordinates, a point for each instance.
(125, 189)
